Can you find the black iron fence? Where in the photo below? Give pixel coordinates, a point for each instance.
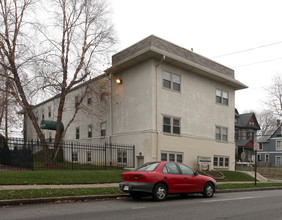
(32, 155)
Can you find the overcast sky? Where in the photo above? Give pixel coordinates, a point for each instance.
(213, 28)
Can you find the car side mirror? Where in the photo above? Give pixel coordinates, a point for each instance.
(196, 173)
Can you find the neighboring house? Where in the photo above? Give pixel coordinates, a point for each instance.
(171, 103)
(270, 147)
(246, 127)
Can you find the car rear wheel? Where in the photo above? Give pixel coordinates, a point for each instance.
(160, 192)
(208, 190)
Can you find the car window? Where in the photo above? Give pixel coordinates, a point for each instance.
(185, 170)
(171, 168)
(148, 167)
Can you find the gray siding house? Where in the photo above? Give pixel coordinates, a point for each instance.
(270, 148)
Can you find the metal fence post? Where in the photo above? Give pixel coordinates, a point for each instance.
(105, 155)
(71, 155)
(134, 156)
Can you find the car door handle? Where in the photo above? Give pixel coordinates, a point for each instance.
(186, 178)
(165, 177)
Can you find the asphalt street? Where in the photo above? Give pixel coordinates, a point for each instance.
(241, 205)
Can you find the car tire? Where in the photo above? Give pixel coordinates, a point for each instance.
(135, 195)
(208, 190)
(160, 192)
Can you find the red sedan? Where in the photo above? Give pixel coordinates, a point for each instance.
(162, 178)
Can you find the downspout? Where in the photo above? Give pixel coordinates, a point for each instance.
(157, 131)
(111, 117)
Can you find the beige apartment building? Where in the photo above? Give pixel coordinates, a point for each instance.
(171, 103)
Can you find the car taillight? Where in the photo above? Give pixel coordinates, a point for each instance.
(139, 177)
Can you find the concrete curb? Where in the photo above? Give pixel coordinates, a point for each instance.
(66, 199)
(63, 199)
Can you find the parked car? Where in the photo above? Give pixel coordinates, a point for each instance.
(162, 178)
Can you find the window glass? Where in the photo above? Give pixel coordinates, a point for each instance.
(88, 156)
(218, 133)
(226, 162)
(166, 125)
(176, 126)
(186, 170)
(89, 99)
(172, 157)
(221, 161)
(148, 167)
(165, 169)
(172, 168)
(77, 133)
(215, 161)
(89, 131)
(176, 82)
(224, 134)
(279, 145)
(179, 158)
(166, 80)
(164, 156)
(218, 96)
(225, 98)
(103, 129)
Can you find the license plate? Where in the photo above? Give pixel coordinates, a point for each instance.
(126, 188)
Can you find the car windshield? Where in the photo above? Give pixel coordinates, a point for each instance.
(148, 167)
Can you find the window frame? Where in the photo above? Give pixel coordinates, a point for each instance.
(74, 157)
(280, 158)
(103, 129)
(77, 133)
(122, 156)
(89, 99)
(172, 81)
(221, 136)
(165, 156)
(89, 131)
(280, 145)
(220, 99)
(220, 161)
(172, 126)
(89, 158)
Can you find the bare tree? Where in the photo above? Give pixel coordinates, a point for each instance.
(273, 100)
(267, 121)
(16, 54)
(85, 36)
(75, 45)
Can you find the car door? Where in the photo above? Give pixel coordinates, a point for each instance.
(173, 177)
(191, 182)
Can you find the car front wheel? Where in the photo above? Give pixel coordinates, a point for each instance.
(208, 190)
(160, 192)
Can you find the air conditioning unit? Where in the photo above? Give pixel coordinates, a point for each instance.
(204, 163)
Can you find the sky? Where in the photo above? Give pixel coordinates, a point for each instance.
(244, 35)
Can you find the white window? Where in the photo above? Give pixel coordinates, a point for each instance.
(222, 97)
(122, 156)
(267, 158)
(221, 133)
(260, 146)
(172, 156)
(278, 161)
(171, 81)
(171, 125)
(221, 161)
(278, 145)
(259, 157)
(43, 116)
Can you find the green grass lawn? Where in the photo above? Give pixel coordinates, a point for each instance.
(47, 193)
(59, 177)
(232, 176)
